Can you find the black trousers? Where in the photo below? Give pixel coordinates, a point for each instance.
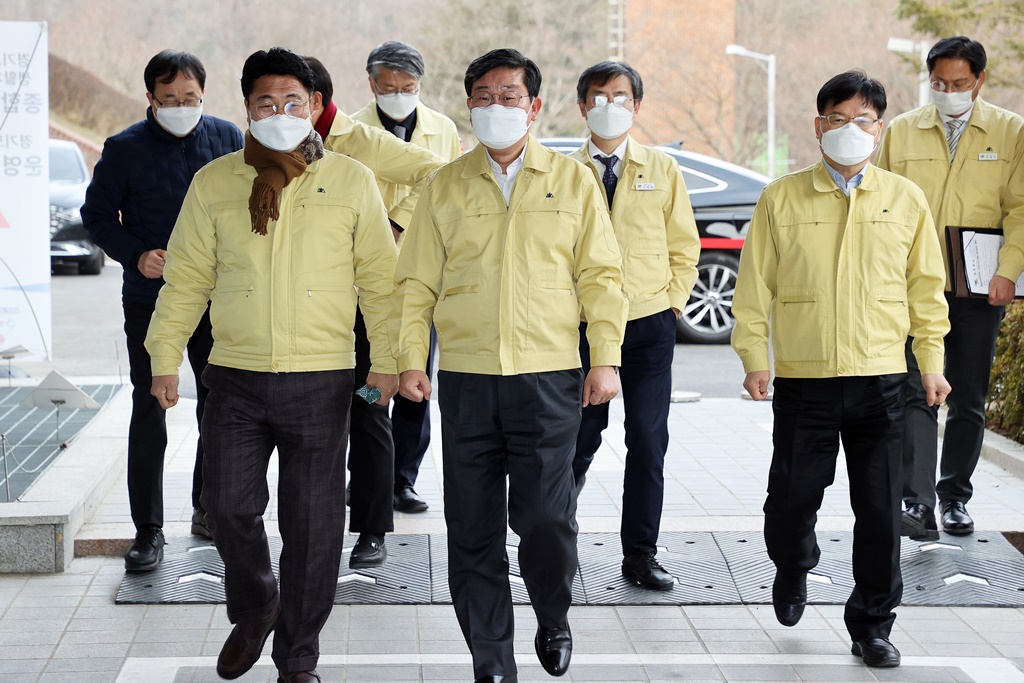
(646, 377)
(811, 415)
(147, 430)
(371, 459)
(304, 415)
(970, 348)
(410, 427)
(522, 427)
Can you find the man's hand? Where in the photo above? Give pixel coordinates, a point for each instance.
(756, 384)
(936, 388)
(414, 385)
(676, 311)
(386, 384)
(600, 386)
(151, 263)
(165, 389)
(1001, 291)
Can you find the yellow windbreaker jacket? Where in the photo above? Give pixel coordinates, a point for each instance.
(982, 188)
(284, 301)
(842, 280)
(434, 131)
(390, 159)
(654, 225)
(504, 284)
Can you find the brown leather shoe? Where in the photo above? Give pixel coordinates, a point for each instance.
(298, 677)
(245, 643)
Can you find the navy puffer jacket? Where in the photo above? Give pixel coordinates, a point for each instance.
(137, 189)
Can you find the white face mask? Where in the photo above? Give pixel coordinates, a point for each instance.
(398, 105)
(499, 127)
(178, 121)
(847, 146)
(609, 120)
(952, 103)
(281, 133)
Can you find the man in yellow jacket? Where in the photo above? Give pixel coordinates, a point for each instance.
(508, 243)
(371, 460)
(278, 237)
(654, 225)
(394, 70)
(841, 263)
(968, 157)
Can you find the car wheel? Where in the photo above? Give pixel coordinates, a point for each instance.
(707, 318)
(94, 266)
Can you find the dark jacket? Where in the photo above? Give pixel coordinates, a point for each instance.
(137, 189)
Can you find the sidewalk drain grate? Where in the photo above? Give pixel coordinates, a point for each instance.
(711, 568)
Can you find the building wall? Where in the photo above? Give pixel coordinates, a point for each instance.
(678, 46)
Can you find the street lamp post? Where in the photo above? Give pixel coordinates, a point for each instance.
(741, 51)
(909, 47)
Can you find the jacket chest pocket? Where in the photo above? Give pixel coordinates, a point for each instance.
(802, 325)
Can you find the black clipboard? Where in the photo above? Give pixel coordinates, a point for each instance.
(955, 252)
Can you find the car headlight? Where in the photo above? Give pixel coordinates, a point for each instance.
(60, 216)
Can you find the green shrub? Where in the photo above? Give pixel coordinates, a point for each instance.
(1006, 391)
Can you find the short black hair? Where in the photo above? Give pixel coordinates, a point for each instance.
(600, 74)
(849, 85)
(504, 58)
(277, 61)
(322, 82)
(167, 64)
(959, 47)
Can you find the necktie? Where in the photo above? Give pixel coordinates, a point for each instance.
(953, 127)
(400, 133)
(610, 180)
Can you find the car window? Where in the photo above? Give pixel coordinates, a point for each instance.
(695, 181)
(65, 166)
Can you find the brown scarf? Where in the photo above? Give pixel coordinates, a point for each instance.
(274, 170)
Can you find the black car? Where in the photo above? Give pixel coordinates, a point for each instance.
(723, 196)
(69, 242)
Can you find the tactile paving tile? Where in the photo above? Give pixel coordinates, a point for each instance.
(829, 583)
(439, 580)
(702, 576)
(982, 569)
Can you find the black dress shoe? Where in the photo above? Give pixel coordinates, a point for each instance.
(147, 550)
(369, 551)
(554, 649)
(199, 527)
(298, 677)
(498, 679)
(406, 498)
(918, 523)
(955, 519)
(877, 652)
(245, 643)
(642, 569)
(789, 597)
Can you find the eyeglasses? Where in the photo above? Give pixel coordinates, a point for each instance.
(955, 86)
(293, 108)
(506, 98)
(838, 121)
(602, 100)
(175, 102)
(392, 91)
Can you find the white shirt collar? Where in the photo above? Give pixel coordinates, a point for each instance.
(508, 178)
(620, 152)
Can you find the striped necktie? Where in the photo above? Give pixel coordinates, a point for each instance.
(954, 128)
(610, 180)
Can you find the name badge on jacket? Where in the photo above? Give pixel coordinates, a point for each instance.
(645, 186)
(988, 156)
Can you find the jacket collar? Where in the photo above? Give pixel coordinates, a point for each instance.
(823, 181)
(537, 158)
(636, 154)
(981, 116)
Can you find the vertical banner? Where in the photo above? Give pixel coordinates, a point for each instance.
(24, 188)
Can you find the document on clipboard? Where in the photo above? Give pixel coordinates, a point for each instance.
(974, 258)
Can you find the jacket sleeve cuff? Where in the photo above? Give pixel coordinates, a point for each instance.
(164, 366)
(755, 362)
(606, 355)
(1011, 271)
(930, 363)
(385, 367)
(411, 360)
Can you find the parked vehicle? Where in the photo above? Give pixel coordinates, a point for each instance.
(69, 242)
(723, 197)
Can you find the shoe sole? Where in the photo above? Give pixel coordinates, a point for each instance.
(129, 567)
(637, 581)
(958, 532)
(917, 532)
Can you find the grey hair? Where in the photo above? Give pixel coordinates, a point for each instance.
(395, 55)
